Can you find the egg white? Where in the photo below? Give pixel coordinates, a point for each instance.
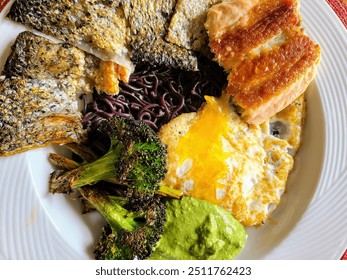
(258, 164)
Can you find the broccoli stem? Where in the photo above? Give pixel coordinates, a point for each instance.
(100, 169)
(169, 192)
(120, 200)
(63, 162)
(116, 216)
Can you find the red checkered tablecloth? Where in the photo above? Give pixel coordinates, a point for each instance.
(3, 3)
(339, 6)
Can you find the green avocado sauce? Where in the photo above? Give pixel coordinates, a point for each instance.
(199, 230)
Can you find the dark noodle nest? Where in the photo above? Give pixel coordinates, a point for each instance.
(157, 95)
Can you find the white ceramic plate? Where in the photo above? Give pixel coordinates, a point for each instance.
(310, 223)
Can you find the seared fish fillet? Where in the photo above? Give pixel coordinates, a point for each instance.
(39, 92)
(96, 26)
(36, 57)
(187, 24)
(149, 21)
(270, 59)
(35, 113)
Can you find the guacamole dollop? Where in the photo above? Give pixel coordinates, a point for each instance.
(199, 230)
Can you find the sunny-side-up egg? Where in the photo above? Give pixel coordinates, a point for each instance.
(214, 155)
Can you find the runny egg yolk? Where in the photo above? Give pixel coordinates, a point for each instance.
(200, 152)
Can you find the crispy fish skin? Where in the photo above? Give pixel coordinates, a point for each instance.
(159, 52)
(34, 56)
(187, 25)
(148, 23)
(97, 24)
(35, 113)
(39, 90)
(102, 28)
(149, 18)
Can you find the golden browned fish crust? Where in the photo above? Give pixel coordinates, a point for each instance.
(269, 58)
(111, 30)
(262, 23)
(256, 80)
(34, 56)
(96, 26)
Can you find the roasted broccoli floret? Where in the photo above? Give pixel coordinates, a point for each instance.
(134, 225)
(136, 159)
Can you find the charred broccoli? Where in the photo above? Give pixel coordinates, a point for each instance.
(136, 159)
(133, 228)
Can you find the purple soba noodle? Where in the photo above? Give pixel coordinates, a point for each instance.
(156, 95)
